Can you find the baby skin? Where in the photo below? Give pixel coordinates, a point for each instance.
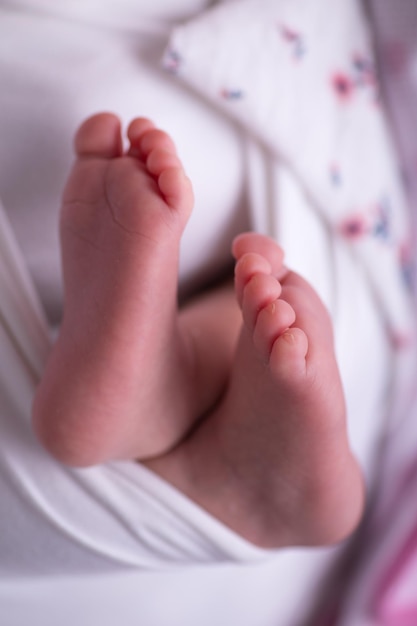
(234, 398)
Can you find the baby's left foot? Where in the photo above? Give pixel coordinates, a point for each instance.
(119, 380)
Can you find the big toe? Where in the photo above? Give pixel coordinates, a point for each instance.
(99, 136)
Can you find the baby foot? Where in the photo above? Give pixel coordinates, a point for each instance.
(276, 450)
(287, 395)
(120, 361)
(292, 403)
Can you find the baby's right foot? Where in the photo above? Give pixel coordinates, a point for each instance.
(286, 391)
(118, 380)
(273, 460)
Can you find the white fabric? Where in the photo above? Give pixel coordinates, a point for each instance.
(115, 544)
(61, 62)
(154, 16)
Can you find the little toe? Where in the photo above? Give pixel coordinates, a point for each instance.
(262, 245)
(99, 136)
(288, 355)
(272, 321)
(260, 291)
(246, 267)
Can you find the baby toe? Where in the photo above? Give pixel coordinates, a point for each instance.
(288, 355)
(99, 137)
(259, 244)
(246, 268)
(272, 321)
(259, 292)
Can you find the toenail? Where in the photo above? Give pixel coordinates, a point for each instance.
(288, 336)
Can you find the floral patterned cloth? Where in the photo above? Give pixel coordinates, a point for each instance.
(301, 77)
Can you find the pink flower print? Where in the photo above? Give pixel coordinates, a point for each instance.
(342, 86)
(231, 94)
(406, 258)
(382, 225)
(354, 227)
(335, 175)
(363, 70)
(365, 75)
(362, 75)
(373, 221)
(294, 40)
(172, 61)
(288, 34)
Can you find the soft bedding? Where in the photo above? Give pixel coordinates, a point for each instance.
(322, 178)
